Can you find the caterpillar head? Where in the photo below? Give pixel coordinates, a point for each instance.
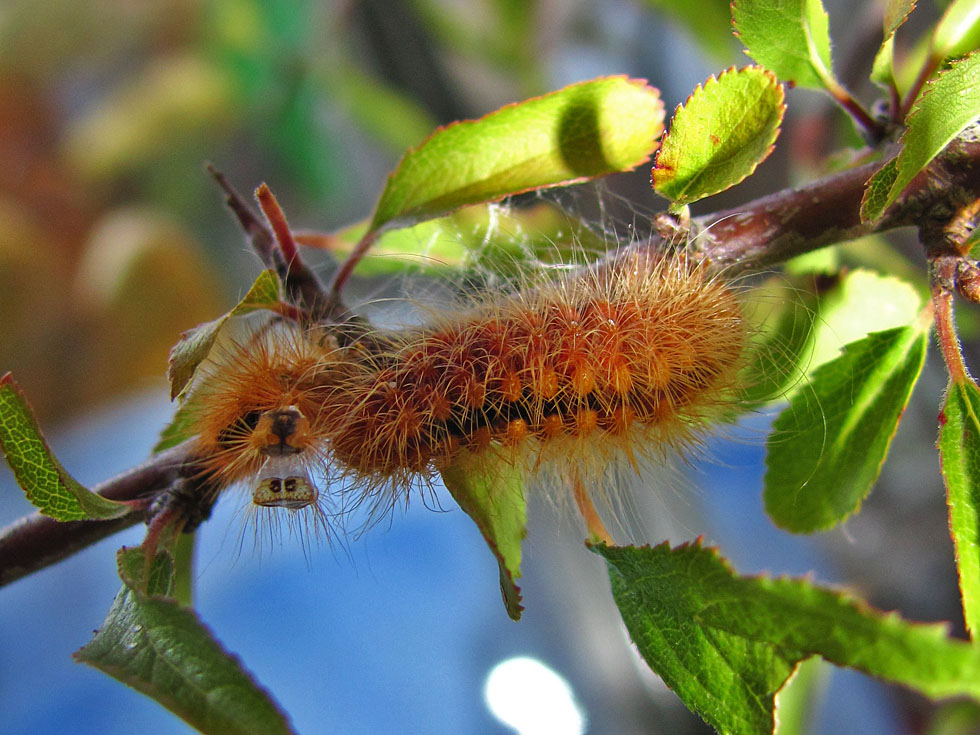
(285, 437)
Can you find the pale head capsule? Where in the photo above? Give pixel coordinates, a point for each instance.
(284, 482)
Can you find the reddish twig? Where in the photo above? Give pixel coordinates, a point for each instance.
(277, 250)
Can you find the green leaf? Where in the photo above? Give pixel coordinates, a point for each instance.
(725, 644)
(863, 302)
(959, 454)
(155, 578)
(950, 102)
(827, 447)
(490, 490)
(39, 473)
(580, 132)
(958, 31)
(883, 66)
(783, 338)
(720, 135)
(180, 428)
(883, 69)
(195, 345)
(161, 649)
(791, 38)
(896, 13)
(875, 199)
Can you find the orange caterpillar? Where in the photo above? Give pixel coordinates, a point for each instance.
(631, 360)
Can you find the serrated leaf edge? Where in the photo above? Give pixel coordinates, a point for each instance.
(698, 90)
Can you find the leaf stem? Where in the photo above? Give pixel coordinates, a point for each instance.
(949, 343)
(874, 129)
(346, 268)
(277, 221)
(300, 283)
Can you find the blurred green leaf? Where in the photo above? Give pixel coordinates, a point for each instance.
(949, 103)
(827, 447)
(195, 345)
(797, 701)
(491, 492)
(955, 718)
(172, 100)
(494, 239)
(161, 649)
(791, 38)
(384, 113)
(720, 135)
(268, 47)
(958, 31)
(726, 644)
(580, 132)
(783, 339)
(959, 454)
(39, 473)
(863, 302)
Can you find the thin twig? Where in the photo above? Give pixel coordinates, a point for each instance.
(277, 250)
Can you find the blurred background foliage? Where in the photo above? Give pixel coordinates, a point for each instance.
(113, 240)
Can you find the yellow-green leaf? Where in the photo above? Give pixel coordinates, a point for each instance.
(720, 135)
(490, 490)
(958, 31)
(195, 345)
(583, 131)
(39, 473)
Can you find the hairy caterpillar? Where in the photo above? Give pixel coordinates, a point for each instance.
(625, 361)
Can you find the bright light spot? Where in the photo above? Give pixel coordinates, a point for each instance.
(533, 699)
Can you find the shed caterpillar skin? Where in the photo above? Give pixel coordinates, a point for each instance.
(625, 362)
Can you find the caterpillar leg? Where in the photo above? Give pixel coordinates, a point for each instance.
(593, 523)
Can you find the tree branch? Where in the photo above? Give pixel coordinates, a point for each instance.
(755, 236)
(37, 541)
(783, 225)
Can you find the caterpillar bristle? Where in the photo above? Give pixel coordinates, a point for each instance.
(622, 364)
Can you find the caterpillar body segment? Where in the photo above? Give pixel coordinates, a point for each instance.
(630, 361)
